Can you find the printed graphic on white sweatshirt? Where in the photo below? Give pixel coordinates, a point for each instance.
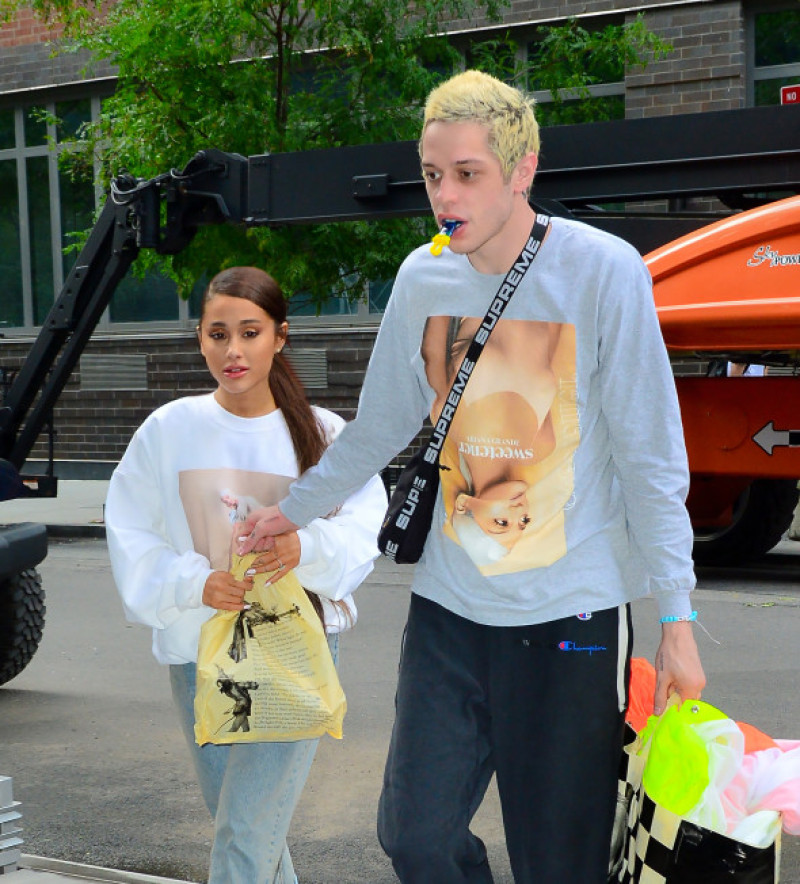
(507, 463)
(215, 501)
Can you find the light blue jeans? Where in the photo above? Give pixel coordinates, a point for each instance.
(251, 791)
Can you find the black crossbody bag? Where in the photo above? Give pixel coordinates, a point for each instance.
(408, 518)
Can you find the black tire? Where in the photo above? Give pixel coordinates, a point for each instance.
(761, 515)
(22, 611)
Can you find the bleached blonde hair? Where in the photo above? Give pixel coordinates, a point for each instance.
(507, 113)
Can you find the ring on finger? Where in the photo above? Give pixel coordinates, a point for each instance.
(281, 566)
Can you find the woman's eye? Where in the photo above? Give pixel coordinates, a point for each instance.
(501, 523)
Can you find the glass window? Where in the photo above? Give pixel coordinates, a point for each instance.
(599, 68)
(311, 74)
(6, 129)
(35, 126)
(139, 300)
(303, 304)
(593, 108)
(604, 99)
(195, 299)
(62, 200)
(11, 310)
(77, 210)
(497, 56)
(40, 237)
(378, 295)
(71, 116)
(778, 37)
(776, 53)
(58, 211)
(769, 91)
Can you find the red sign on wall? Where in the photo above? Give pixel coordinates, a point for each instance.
(790, 94)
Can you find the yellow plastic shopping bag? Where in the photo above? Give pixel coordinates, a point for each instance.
(266, 674)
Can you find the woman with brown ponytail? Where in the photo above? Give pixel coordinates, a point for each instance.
(194, 470)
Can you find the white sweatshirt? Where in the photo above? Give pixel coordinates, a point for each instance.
(190, 472)
(566, 470)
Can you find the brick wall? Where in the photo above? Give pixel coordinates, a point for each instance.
(547, 11)
(26, 60)
(706, 70)
(96, 425)
(26, 28)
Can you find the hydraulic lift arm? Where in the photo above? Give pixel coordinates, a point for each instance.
(734, 155)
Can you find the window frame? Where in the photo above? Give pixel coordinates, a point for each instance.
(47, 100)
(758, 73)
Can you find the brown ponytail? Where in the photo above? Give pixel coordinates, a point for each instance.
(308, 436)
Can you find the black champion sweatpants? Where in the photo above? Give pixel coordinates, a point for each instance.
(542, 707)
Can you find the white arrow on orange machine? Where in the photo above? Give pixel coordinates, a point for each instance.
(768, 438)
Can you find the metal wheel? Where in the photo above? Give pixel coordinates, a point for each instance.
(761, 515)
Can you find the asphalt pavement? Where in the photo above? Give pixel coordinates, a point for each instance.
(76, 512)
(751, 657)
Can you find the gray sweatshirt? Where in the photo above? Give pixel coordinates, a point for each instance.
(564, 472)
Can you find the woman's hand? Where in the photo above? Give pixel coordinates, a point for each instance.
(278, 561)
(257, 532)
(224, 592)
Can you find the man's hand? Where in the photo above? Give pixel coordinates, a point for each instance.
(678, 666)
(224, 592)
(278, 561)
(261, 526)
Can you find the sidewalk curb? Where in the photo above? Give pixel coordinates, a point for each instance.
(75, 532)
(82, 872)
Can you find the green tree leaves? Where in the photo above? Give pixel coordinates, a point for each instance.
(261, 76)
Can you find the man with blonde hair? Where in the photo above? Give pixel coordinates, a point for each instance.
(566, 472)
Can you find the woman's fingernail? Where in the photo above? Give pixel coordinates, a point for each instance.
(249, 572)
(247, 607)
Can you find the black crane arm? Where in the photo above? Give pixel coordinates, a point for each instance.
(737, 156)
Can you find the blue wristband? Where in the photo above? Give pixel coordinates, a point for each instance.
(690, 619)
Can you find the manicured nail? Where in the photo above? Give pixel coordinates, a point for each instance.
(249, 572)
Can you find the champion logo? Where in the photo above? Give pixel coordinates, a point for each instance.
(587, 615)
(585, 649)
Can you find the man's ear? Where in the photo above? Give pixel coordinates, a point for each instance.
(524, 172)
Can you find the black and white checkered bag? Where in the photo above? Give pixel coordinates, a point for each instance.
(656, 846)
